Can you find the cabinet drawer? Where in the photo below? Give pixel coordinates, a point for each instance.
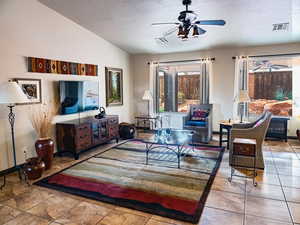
(83, 142)
(83, 145)
(113, 120)
(83, 136)
(114, 131)
(83, 129)
(244, 149)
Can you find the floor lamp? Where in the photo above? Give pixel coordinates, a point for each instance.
(11, 94)
(147, 97)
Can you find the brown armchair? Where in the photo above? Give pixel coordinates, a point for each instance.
(257, 131)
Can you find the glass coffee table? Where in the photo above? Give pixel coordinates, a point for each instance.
(176, 140)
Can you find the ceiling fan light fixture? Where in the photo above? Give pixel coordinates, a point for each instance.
(188, 20)
(181, 32)
(185, 37)
(195, 31)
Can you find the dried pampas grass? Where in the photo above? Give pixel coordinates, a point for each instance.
(41, 116)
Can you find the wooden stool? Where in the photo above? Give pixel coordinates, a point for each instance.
(247, 148)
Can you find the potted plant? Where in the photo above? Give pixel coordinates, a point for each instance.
(41, 116)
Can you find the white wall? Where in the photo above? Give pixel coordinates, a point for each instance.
(29, 28)
(223, 80)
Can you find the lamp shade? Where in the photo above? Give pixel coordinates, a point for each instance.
(147, 95)
(11, 93)
(242, 96)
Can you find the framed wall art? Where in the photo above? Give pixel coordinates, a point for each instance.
(32, 88)
(40, 65)
(114, 86)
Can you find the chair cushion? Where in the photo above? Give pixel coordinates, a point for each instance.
(199, 115)
(196, 123)
(258, 123)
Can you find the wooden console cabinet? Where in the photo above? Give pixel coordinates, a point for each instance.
(78, 135)
(278, 128)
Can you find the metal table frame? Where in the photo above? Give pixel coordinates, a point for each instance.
(177, 149)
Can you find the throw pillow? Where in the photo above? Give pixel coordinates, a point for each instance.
(200, 115)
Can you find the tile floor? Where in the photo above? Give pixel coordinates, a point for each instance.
(276, 200)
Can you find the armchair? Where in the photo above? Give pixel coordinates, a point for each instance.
(257, 131)
(203, 128)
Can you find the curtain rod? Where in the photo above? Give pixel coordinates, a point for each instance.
(256, 56)
(192, 60)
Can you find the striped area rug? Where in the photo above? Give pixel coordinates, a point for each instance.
(121, 177)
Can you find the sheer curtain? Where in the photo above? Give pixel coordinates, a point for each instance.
(205, 81)
(153, 70)
(240, 83)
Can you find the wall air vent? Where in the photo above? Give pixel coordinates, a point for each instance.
(281, 26)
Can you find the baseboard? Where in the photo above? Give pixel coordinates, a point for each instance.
(292, 137)
(11, 170)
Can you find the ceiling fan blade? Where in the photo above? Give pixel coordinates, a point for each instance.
(211, 22)
(201, 31)
(257, 68)
(155, 24)
(282, 66)
(275, 67)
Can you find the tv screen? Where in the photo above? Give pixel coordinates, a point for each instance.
(78, 96)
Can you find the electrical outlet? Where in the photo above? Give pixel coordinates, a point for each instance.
(25, 151)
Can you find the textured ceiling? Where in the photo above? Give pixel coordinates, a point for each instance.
(127, 23)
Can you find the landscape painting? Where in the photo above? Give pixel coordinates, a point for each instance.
(114, 86)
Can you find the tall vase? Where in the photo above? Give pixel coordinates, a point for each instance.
(44, 148)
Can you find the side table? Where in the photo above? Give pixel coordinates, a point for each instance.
(227, 126)
(142, 122)
(246, 148)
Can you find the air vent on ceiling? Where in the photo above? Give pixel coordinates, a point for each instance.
(162, 40)
(281, 26)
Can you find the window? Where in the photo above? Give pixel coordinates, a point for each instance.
(177, 87)
(188, 90)
(270, 86)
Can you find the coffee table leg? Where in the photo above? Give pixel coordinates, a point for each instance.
(147, 153)
(178, 156)
(179, 150)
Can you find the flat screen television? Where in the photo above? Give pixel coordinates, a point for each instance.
(78, 96)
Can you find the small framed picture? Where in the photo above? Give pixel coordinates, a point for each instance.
(32, 88)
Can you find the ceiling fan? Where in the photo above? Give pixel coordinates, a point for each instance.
(267, 65)
(188, 20)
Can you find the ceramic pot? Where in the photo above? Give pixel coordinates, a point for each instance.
(44, 148)
(34, 168)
